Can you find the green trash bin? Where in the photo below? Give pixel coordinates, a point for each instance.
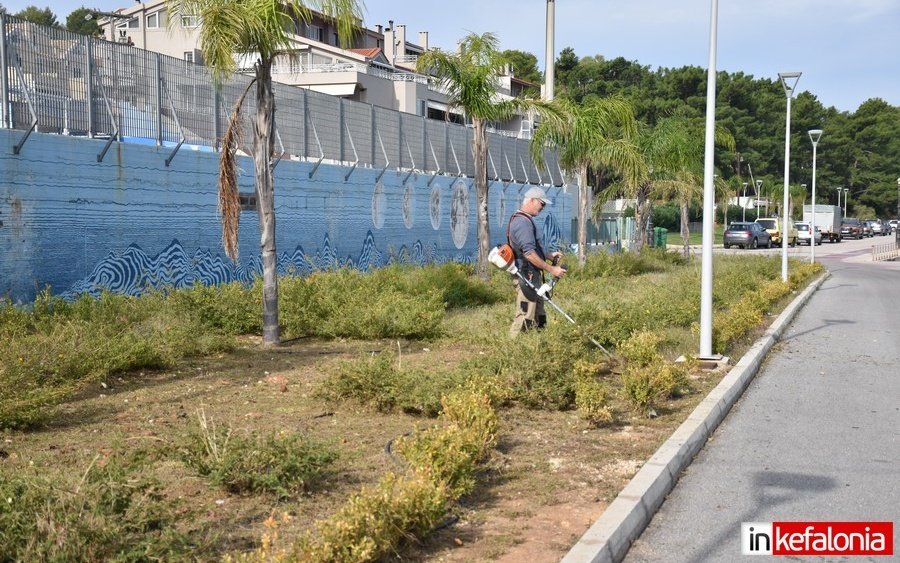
(661, 237)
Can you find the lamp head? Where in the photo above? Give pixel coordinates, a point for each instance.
(789, 82)
(758, 184)
(814, 135)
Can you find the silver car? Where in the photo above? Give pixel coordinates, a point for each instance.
(803, 233)
(747, 235)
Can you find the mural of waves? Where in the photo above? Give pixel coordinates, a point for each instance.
(133, 271)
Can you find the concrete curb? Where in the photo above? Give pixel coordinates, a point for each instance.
(610, 537)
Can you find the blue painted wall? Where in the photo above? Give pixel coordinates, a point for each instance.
(78, 225)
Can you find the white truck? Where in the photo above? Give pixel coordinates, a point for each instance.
(828, 220)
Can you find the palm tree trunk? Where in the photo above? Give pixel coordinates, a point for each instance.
(481, 196)
(685, 231)
(583, 213)
(641, 216)
(263, 147)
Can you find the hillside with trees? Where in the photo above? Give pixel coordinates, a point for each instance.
(859, 150)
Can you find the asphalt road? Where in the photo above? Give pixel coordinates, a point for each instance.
(815, 436)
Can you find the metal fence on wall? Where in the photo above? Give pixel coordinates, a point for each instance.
(54, 81)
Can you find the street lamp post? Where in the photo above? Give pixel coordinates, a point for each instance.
(814, 136)
(709, 196)
(744, 204)
(758, 186)
(846, 197)
(839, 188)
(789, 83)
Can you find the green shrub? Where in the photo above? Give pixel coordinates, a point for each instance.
(230, 308)
(113, 511)
(376, 521)
(376, 380)
(246, 463)
(58, 347)
(591, 396)
(348, 303)
(644, 386)
(536, 367)
(457, 283)
(641, 348)
(372, 523)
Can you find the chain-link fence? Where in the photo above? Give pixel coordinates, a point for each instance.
(54, 81)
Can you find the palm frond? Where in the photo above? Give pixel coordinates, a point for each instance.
(229, 196)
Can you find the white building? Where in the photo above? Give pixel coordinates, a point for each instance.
(378, 68)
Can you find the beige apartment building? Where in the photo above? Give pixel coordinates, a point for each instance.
(378, 68)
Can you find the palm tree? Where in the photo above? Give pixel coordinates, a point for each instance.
(675, 149)
(259, 28)
(470, 78)
(595, 135)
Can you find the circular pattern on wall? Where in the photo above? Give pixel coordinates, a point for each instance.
(379, 203)
(459, 214)
(409, 205)
(501, 209)
(434, 206)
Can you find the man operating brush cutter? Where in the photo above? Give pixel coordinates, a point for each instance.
(531, 261)
(524, 257)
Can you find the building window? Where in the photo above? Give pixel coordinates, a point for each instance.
(134, 23)
(153, 21)
(189, 56)
(190, 21)
(315, 32)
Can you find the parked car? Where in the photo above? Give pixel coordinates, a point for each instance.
(893, 224)
(746, 235)
(803, 233)
(875, 226)
(773, 227)
(851, 227)
(866, 229)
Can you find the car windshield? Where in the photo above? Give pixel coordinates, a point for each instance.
(739, 227)
(802, 227)
(767, 223)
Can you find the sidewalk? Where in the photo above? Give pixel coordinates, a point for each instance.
(814, 437)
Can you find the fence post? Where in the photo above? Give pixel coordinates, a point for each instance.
(217, 112)
(158, 72)
(89, 83)
(399, 140)
(341, 129)
(372, 131)
(305, 125)
(4, 74)
(424, 143)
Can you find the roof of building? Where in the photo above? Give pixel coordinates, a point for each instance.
(367, 53)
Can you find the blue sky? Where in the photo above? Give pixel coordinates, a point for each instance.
(848, 50)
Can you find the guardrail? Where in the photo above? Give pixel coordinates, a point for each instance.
(886, 251)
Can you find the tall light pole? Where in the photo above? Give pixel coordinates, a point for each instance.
(839, 188)
(549, 54)
(789, 83)
(709, 196)
(846, 197)
(744, 204)
(758, 186)
(814, 136)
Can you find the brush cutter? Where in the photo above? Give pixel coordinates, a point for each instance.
(504, 258)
